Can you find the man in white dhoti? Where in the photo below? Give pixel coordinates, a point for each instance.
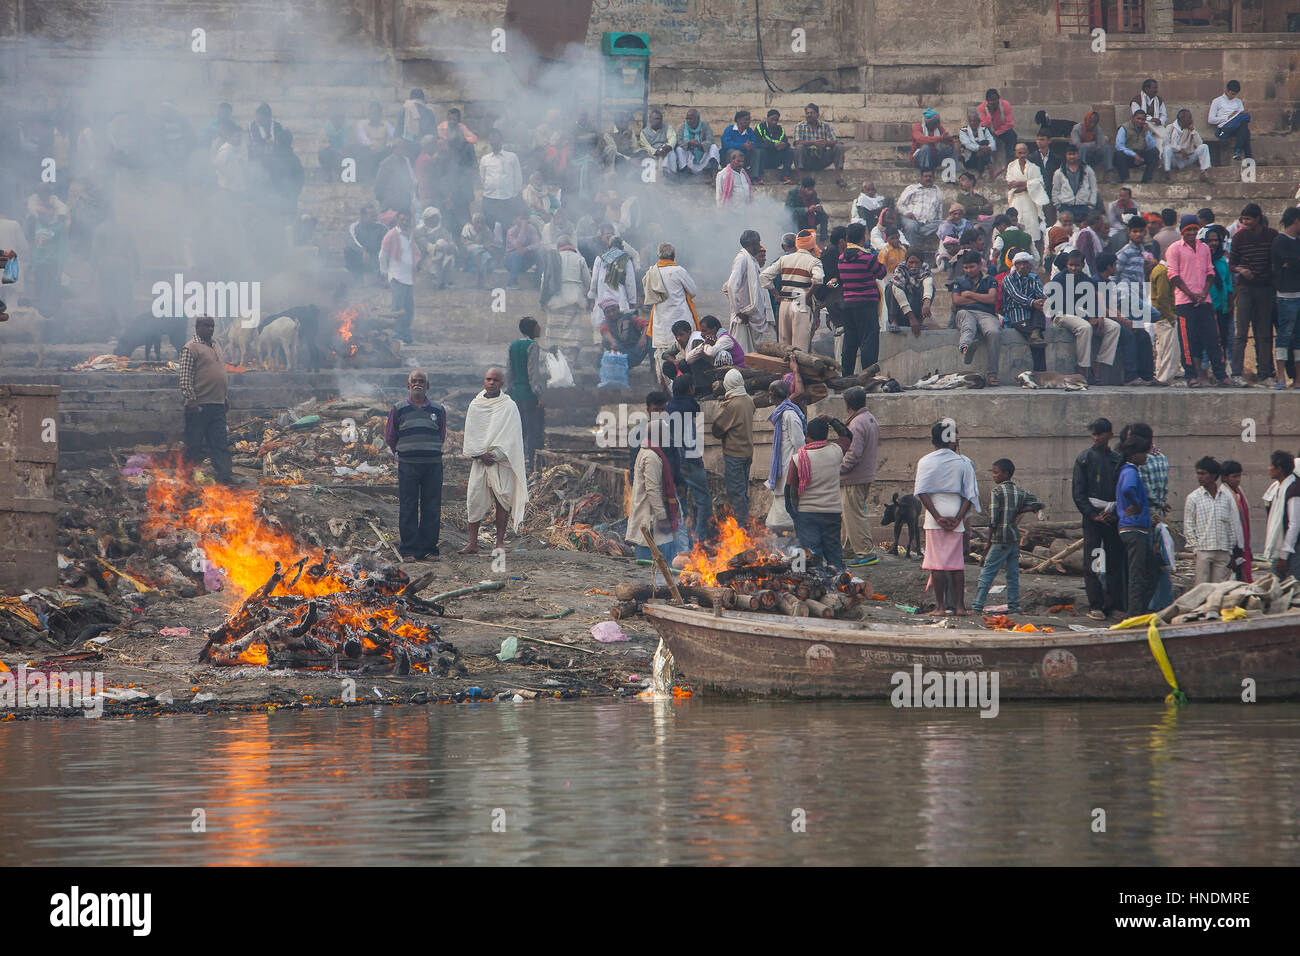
(494, 440)
(613, 276)
(670, 292)
(751, 306)
(1026, 192)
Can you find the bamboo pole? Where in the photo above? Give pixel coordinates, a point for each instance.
(1056, 558)
(663, 565)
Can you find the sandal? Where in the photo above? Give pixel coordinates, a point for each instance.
(1097, 615)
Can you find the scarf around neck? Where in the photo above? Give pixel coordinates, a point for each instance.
(777, 418)
(803, 465)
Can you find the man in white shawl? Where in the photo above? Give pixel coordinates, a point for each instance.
(494, 440)
(1026, 192)
(1282, 531)
(946, 485)
(751, 306)
(670, 292)
(613, 275)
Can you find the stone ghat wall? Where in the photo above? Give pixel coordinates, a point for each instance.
(29, 452)
(1044, 431)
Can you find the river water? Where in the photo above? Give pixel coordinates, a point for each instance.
(694, 781)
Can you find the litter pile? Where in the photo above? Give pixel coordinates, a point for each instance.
(567, 511)
(320, 443)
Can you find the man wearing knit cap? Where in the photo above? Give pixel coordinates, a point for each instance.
(931, 143)
(1191, 272)
(733, 425)
(796, 273)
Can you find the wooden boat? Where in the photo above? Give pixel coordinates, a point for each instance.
(742, 652)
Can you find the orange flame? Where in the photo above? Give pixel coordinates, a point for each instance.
(256, 654)
(732, 539)
(231, 533)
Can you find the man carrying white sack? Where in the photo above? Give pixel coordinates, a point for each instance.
(494, 439)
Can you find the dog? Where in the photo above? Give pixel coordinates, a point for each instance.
(148, 330)
(279, 336)
(938, 382)
(1070, 382)
(905, 512)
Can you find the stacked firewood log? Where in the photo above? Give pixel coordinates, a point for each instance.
(761, 581)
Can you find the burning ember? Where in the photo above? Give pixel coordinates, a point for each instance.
(346, 319)
(703, 564)
(313, 612)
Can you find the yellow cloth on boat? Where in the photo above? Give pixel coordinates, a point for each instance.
(1157, 651)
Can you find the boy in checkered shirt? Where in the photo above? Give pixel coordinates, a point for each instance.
(1009, 502)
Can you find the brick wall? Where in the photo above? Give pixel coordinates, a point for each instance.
(29, 452)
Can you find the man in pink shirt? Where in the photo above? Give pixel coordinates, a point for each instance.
(995, 113)
(1190, 272)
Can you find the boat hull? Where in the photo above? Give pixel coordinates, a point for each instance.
(741, 652)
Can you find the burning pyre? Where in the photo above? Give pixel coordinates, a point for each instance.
(745, 571)
(315, 612)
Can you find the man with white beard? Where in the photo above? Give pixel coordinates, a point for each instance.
(494, 441)
(751, 306)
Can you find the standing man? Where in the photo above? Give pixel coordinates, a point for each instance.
(812, 494)
(525, 384)
(498, 479)
(799, 272)
(751, 307)
(946, 485)
(653, 505)
(203, 383)
(1134, 511)
(860, 271)
(1286, 273)
(1208, 525)
(399, 259)
(733, 424)
(1250, 260)
(670, 292)
(502, 181)
(688, 444)
(857, 471)
(1228, 114)
(1242, 555)
(1191, 272)
(415, 432)
(1093, 491)
(815, 146)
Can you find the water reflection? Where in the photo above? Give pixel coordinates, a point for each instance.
(663, 782)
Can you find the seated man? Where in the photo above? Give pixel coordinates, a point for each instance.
(1074, 185)
(1118, 212)
(1023, 299)
(523, 243)
(716, 348)
(909, 290)
(974, 294)
(931, 144)
(774, 148)
(1229, 117)
(1072, 304)
(1135, 146)
(805, 208)
(1124, 304)
(1091, 140)
(1186, 146)
(975, 204)
(815, 146)
(919, 208)
(618, 145)
(977, 144)
(697, 150)
(438, 246)
(740, 136)
(658, 141)
(625, 332)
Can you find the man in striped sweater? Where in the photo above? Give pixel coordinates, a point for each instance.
(415, 432)
(798, 271)
(859, 271)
